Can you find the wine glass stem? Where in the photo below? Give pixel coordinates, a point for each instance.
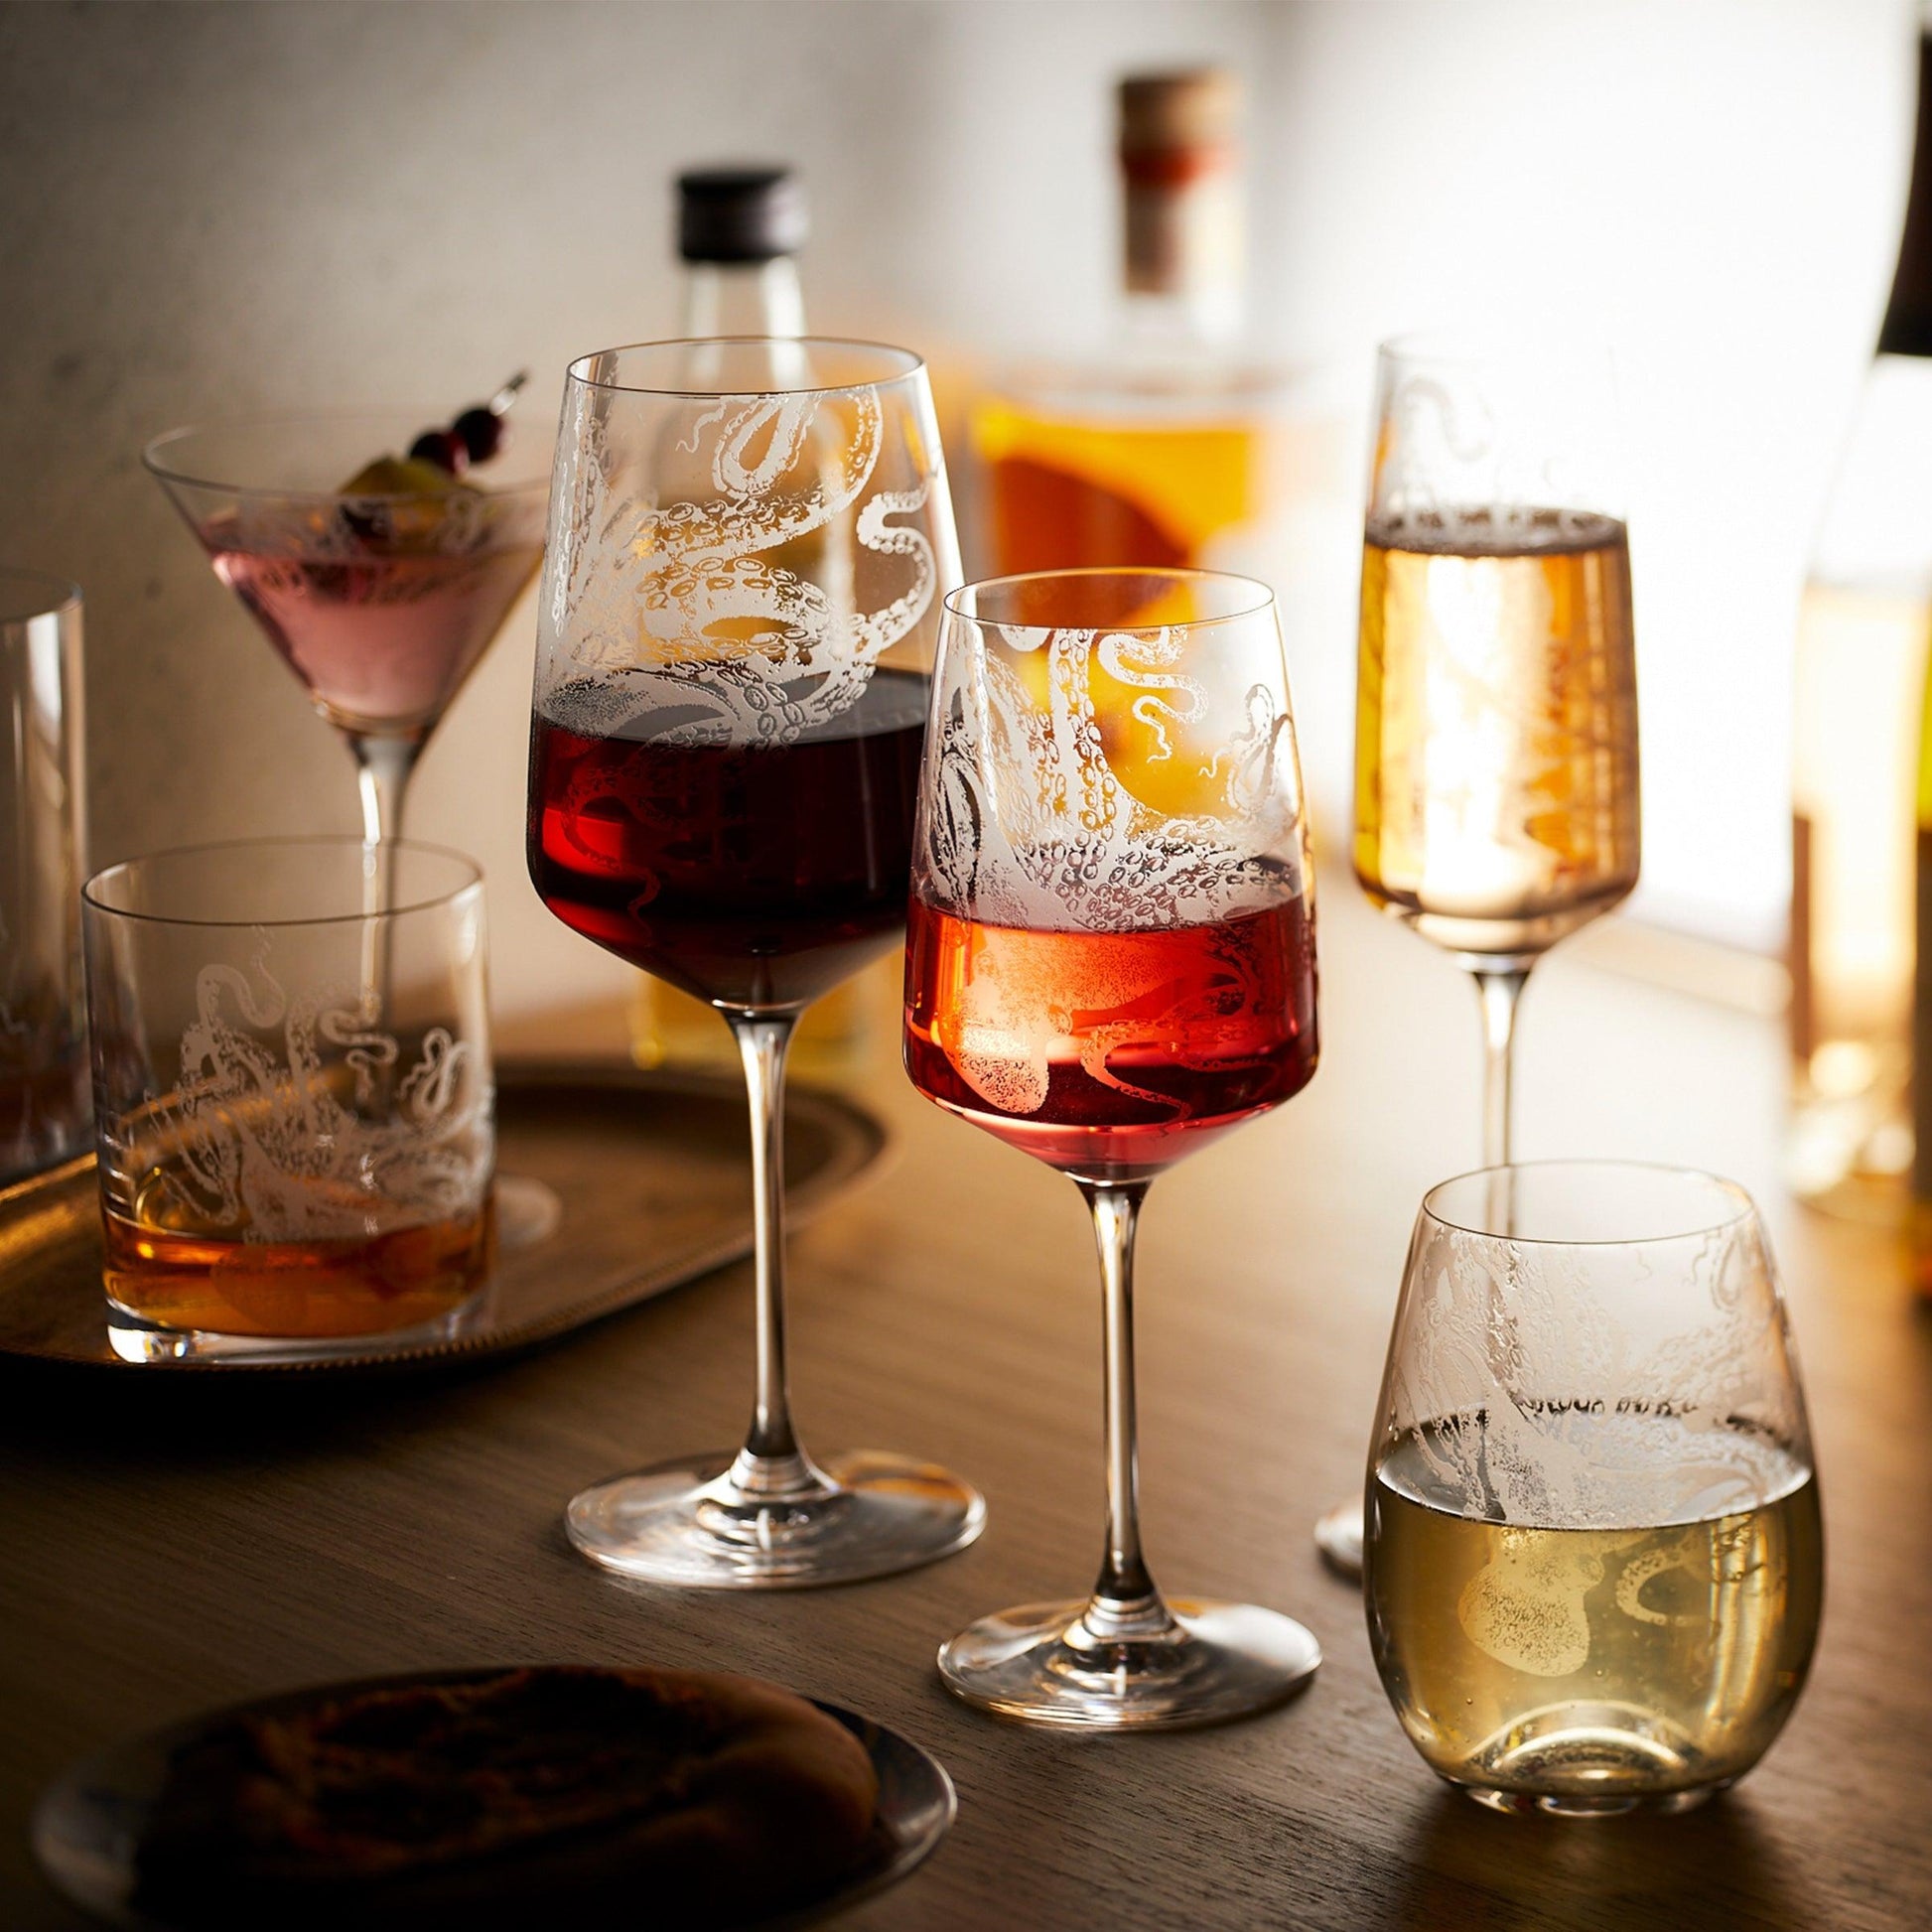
(383, 772)
(1499, 993)
(770, 1465)
(1124, 1603)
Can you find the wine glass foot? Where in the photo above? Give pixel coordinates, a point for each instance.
(1041, 1664)
(528, 1212)
(686, 1523)
(1338, 1536)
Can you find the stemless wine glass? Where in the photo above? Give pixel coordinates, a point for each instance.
(1111, 962)
(1496, 708)
(747, 541)
(381, 582)
(1593, 1568)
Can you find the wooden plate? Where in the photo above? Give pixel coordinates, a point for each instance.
(652, 1171)
(89, 1820)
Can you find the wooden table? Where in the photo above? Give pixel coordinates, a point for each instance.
(190, 1547)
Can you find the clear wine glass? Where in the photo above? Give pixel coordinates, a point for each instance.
(379, 580)
(748, 541)
(1496, 805)
(1595, 1564)
(1110, 964)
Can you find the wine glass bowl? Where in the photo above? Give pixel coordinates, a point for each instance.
(1110, 964)
(1496, 794)
(737, 621)
(1593, 1565)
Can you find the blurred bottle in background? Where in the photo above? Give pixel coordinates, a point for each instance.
(740, 232)
(1169, 448)
(1862, 660)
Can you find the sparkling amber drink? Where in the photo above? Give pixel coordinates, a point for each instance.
(1590, 1669)
(1496, 737)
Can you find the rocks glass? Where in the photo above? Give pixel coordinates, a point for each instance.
(293, 1097)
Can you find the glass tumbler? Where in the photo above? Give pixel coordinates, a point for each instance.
(44, 1115)
(293, 1097)
(1593, 1568)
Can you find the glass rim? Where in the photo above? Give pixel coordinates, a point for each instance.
(913, 365)
(311, 842)
(1743, 1208)
(158, 466)
(63, 594)
(1263, 599)
(1475, 345)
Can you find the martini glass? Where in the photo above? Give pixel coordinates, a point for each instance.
(381, 600)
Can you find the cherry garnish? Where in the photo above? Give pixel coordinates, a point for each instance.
(448, 449)
(479, 430)
(476, 436)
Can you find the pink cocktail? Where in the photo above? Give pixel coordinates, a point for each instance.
(380, 577)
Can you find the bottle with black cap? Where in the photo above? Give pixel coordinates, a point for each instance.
(1862, 662)
(738, 235)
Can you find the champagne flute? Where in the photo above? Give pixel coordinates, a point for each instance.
(1496, 701)
(1110, 964)
(749, 539)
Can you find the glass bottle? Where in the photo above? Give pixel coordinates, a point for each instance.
(1861, 658)
(1172, 449)
(739, 231)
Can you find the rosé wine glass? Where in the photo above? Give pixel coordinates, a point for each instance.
(1110, 964)
(748, 542)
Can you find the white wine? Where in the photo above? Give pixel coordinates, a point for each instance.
(1597, 1667)
(1496, 725)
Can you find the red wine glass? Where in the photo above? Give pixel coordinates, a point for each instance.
(748, 540)
(1110, 964)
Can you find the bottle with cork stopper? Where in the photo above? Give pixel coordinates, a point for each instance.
(1169, 446)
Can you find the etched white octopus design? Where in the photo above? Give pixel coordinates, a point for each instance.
(1032, 827)
(269, 1147)
(637, 602)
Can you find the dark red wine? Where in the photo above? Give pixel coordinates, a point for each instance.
(1110, 1054)
(751, 876)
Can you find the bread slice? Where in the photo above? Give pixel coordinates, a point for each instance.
(676, 1798)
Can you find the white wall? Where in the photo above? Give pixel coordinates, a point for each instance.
(1713, 186)
(209, 209)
